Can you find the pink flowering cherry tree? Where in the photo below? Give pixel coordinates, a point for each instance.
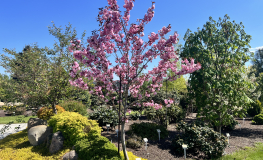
(133, 57)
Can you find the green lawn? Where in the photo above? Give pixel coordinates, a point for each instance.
(5, 120)
(248, 153)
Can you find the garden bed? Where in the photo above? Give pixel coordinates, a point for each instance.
(247, 136)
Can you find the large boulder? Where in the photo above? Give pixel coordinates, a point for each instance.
(32, 122)
(72, 155)
(56, 142)
(38, 134)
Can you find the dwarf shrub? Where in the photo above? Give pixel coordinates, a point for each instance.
(254, 108)
(73, 126)
(229, 127)
(148, 130)
(96, 147)
(46, 112)
(105, 116)
(74, 106)
(131, 156)
(174, 113)
(199, 139)
(134, 142)
(135, 115)
(258, 119)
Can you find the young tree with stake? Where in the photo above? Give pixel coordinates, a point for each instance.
(114, 36)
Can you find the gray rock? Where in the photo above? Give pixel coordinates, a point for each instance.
(38, 134)
(72, 155)
(32, 122)
(56, 142)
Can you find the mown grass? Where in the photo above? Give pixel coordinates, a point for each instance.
(5, 120)
(248, 153)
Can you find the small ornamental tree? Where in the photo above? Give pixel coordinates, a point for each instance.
(129, 63)
(219, 88)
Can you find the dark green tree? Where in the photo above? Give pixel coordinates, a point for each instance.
(218, 88)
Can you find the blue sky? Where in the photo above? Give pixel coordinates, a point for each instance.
(25, 22)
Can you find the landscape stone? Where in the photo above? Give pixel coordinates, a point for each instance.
(39, 134)
(56, 142)
(72, 155)
(32, 122)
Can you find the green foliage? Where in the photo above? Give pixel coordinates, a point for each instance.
(148, 130)
(221, 48)
(174, 113)
(199, 139)
(72, 125)
(46, 112)
(255, 108)
(258, 119)
(131, 156)
(74, 106)
(105, 116)
(134, 142)
(229, 127)
(95, 148)
(135, 115)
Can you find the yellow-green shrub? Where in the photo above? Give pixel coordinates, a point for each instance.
(74, 106)
(130, 155)
(17, 147)
(96, 147)
(72, 126)
(46, 112)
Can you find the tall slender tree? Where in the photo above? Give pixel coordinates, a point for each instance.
(218, 88)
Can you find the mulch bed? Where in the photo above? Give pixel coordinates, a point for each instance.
(247, 136)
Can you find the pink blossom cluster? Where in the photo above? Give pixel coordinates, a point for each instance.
(168, 102)
(152, 104)
(113, 36)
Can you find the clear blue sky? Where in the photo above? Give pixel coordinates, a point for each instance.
(24, 22)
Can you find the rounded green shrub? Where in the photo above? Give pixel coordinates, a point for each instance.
(134, 142)
(73, 126)
(135, 115)
(148, 130)
(46, 112)
(254, 108)
(199, 139)
(74, 106)
(258, 119)
(105, 116)
(174, 113)
(229, 127)
(96, 147)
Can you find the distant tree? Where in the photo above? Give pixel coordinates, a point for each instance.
(257, 62)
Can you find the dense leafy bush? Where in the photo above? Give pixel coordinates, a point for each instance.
(199, 139)
(72, 125)
(131, 156)
(258, 119)
(254, 108)
(105, 116)
(46, 112)
(174, 113)
(74, 106)
(134, 142)
(148, 130)
(135, 115)
(229, 127)
(95, 148)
